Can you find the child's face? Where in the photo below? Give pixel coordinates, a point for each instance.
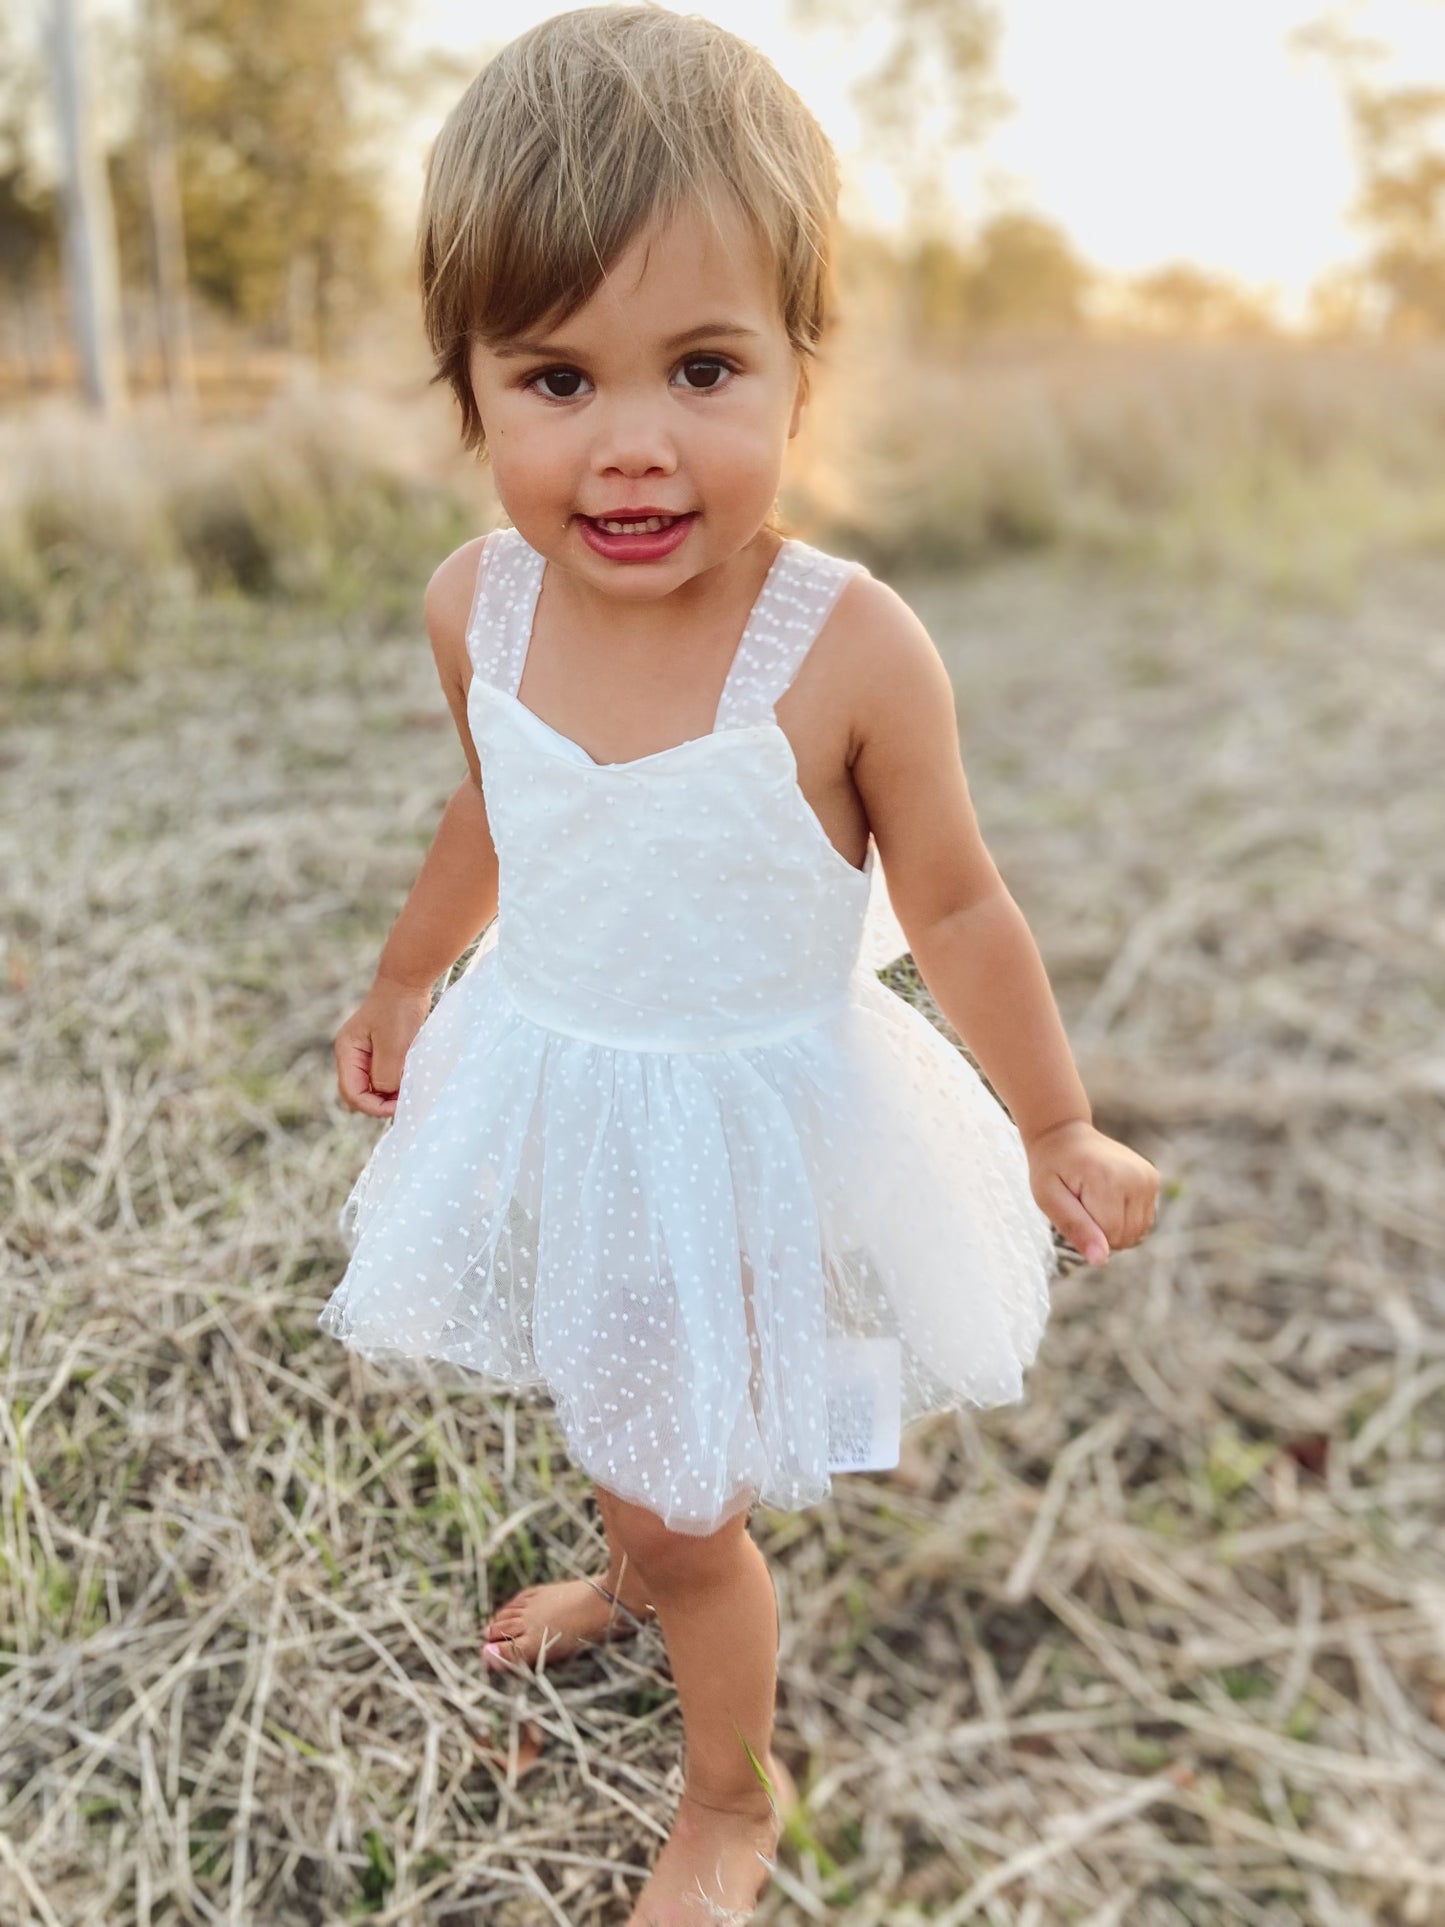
(610, 412)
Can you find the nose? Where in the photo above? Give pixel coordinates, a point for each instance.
(631, 440)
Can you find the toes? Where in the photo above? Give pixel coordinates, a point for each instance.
(509, 1608)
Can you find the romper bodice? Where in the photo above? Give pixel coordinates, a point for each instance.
(688, 899)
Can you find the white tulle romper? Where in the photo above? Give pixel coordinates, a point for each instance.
(668, 1151)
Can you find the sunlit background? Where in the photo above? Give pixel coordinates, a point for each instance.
(1150, 134)
(1119, 262)
(1138, 398)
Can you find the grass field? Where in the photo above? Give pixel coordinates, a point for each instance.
(1162, 1646)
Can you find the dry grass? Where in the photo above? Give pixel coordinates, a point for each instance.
(1164, 1644)
(1279, 464)
(330, 497)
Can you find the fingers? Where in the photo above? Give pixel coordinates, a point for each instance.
(1142, 1221)
(374, 1104)
(1082, 1230)
(1122, 1190)
(1138, 1204)
(1128, 1215)
(379, 1080)
(354, 1062)
(351, 1070)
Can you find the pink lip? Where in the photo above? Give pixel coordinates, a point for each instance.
(650, 546)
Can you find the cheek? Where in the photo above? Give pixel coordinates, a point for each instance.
(532, 433)
(748, 436)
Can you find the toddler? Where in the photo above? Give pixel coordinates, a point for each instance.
(668, 1150)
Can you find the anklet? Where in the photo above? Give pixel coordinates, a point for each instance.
(640, 1619)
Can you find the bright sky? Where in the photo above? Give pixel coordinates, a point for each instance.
(1150, 132)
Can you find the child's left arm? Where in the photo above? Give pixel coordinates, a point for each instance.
(969, 938)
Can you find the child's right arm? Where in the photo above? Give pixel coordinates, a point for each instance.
(455, 893)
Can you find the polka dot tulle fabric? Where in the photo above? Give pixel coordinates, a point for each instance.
(667, 1134)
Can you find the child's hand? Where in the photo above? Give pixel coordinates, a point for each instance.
(1098, 1192)
(372, 1044)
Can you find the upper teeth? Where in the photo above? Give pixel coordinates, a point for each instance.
(637, 528)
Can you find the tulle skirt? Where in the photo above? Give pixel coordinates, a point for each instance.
(667, 1243)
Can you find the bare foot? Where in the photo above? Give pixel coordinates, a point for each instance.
(714, 1864)
(567, 1616)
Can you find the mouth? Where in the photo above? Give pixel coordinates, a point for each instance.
(648, 537)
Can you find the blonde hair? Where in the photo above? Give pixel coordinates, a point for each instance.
(579, 135)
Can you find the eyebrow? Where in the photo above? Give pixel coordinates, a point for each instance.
(709, 329)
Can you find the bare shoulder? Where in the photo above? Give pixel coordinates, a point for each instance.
(886, 661)
(881, 628)
(446, 606)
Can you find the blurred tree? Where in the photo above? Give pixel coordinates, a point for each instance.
(1402, 135)
(1182, 299)
(1025, 273)
(277, 109)
(942, 55)
(30, 268)
(1020, 273)
(163, 196)
(1400, 141)
(941, 59)
(27, 204)
(1340, 304)
(937, 274)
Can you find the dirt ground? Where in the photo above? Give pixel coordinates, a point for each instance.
(1162, 1644)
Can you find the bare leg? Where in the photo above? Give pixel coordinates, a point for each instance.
(718, 1612)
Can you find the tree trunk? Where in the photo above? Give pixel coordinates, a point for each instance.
(90, 248)
(168, 235)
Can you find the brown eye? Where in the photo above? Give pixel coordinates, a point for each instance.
(713, 362)
(556, 374)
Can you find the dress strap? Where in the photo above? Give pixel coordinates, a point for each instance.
(503, 601)
(793, 604)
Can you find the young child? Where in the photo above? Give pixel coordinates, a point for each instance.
(667, 1149)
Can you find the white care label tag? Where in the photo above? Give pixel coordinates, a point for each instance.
(864, 1403)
